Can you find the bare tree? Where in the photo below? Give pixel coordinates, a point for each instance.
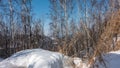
(26, 20)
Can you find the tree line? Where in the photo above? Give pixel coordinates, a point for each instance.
(84, 28)
(18, 29)
(80, 28)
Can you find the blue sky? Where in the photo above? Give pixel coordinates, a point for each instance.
(40, 9)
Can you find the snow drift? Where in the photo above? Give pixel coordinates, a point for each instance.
(38, 58)
(111, 59)
(34, 58)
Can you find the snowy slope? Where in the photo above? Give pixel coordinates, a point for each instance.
(35, 58)
(112, 60)
(39, 58)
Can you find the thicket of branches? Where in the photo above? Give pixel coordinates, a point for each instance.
(85, 28)
(19, 29)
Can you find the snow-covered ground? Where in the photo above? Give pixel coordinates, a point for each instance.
(112, 60)
(39, 58)
(34, 58)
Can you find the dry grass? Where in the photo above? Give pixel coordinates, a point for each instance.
(105, 43)
(117, 44)
(73, 46)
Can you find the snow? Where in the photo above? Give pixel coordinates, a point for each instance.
(39, 58)
(79, 63)
(112, 60)
(34, 58)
